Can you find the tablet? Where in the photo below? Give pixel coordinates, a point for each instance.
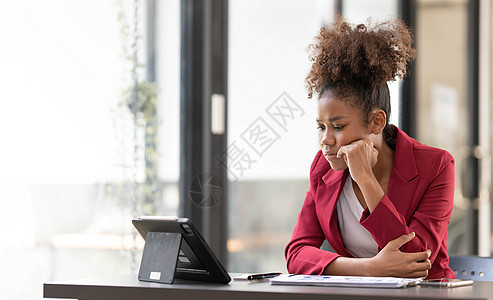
(196, 261)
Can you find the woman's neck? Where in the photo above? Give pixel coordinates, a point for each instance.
(383, 167)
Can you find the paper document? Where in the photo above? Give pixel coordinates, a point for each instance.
(345, 281)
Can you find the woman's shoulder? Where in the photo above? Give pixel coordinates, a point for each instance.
(423, 151)
(425, 156)
(426, 152)
(431, 158)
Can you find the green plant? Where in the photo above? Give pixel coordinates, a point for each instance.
(139, 100)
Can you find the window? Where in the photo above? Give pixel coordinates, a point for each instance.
(272, 130)
(68, 145)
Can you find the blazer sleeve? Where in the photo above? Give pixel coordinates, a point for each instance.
(430, 218)
(303, 253)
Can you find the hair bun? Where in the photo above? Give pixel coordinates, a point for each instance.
(368, 55)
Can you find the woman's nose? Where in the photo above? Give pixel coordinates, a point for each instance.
(327, 139)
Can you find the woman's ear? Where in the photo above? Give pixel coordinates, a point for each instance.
(378, 122)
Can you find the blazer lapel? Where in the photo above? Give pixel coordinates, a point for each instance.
(404, 176)
(329, 189)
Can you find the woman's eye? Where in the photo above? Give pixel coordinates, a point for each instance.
(338, 127)
(320, 127)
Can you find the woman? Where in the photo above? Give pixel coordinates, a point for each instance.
(381, 199)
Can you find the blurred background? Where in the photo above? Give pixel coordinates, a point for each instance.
(116, 109)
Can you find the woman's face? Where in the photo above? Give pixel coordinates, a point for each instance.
(339, 124)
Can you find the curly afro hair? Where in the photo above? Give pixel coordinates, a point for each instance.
(355, 62)
(363, 55)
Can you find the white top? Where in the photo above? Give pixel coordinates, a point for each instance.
(355, 237)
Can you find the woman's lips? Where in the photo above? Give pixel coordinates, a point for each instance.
(330, 155)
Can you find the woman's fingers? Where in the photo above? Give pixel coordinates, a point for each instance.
(420, 269)
(397, 243)
(400, 241)
(420, 256)
(419, 264)
(404, 264)
(342, 151)
(358, 143)
(423, 265)
(359, 155)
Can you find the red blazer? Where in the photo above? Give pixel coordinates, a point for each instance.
(420, 199)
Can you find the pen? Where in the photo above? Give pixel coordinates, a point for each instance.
(263, 276)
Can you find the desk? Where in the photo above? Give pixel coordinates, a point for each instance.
(128, 287)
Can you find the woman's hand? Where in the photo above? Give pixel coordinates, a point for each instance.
(360, 157)
(390, 261)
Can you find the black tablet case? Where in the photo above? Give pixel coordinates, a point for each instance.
(194, 260)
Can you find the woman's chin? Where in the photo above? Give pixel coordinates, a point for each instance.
(337, 165)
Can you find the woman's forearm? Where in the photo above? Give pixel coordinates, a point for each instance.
(348, 266)
(372, 192)
(390, 261)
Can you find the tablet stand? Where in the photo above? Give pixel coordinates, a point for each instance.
(160, 257)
